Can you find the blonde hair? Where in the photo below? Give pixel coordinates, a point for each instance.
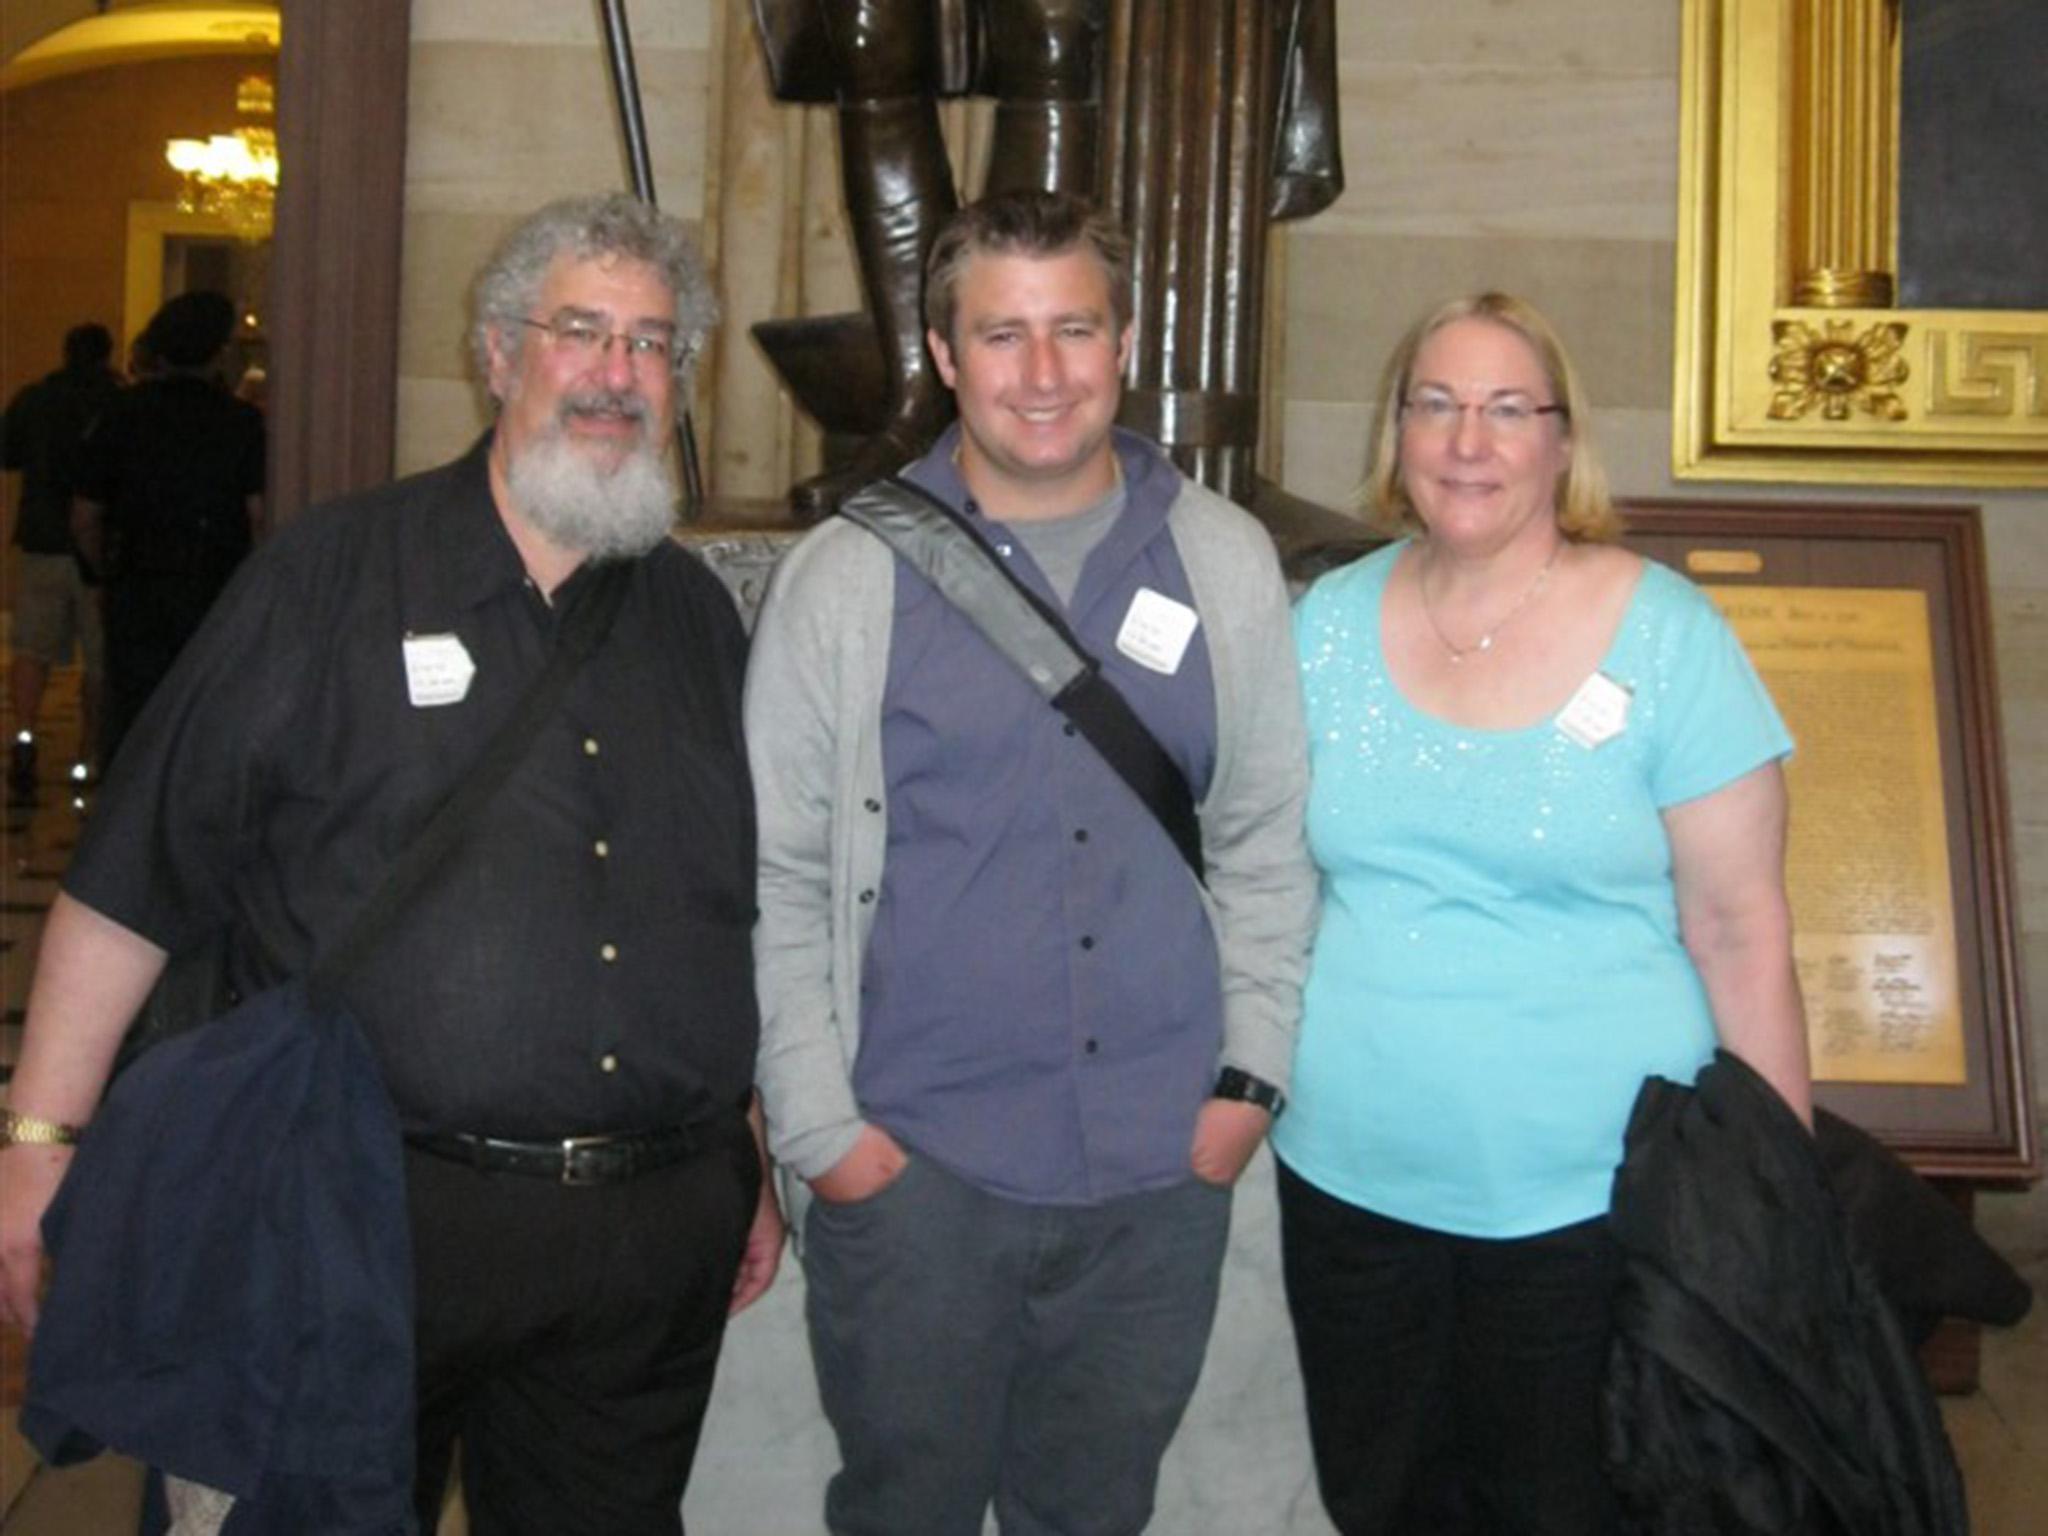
(1585, 512)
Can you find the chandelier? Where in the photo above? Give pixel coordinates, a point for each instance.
(233, 176)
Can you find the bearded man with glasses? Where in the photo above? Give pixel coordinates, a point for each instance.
(564, 1015)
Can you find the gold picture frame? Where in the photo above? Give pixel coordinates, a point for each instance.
(1792, 361)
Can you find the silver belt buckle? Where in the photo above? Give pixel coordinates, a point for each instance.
(574, 1169)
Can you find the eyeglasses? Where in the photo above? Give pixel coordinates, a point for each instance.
(585, 341)
(1437, 410)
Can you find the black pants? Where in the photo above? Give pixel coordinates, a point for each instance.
(568, 1336)
(1453, 1383)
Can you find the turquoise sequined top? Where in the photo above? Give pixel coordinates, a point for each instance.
(1498, 964)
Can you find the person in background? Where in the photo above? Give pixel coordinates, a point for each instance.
(55, 610)
(168, 500)
(1548, 813)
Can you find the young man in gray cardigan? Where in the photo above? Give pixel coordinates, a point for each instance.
(1015, 1048)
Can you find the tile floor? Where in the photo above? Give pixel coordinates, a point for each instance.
(2000, 1431)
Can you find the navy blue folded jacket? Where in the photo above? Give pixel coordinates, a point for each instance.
(232, 1295)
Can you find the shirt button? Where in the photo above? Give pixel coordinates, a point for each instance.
(1070, 729)
(607, 1062)
(873, 805)
(610, 952)
(590, 746)
(1080, 834)
(867, 896)
(601, 848)
(1090, 1047)
(1087, 941)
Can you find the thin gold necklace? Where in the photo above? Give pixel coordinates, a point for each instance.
(1484, 643)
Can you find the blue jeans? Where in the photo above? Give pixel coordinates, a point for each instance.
(971, 1349)
(1453, 1383)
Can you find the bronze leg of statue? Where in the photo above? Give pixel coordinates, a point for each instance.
(899, 191)
(1044, 67)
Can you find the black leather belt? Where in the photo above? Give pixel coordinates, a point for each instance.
(570, 1159)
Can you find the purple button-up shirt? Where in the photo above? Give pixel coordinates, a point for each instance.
(1041, 1008)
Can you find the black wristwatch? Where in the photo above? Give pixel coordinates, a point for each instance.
(1236, 1083)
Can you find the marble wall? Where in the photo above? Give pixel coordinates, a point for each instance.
(510, 105)
(1529, 147)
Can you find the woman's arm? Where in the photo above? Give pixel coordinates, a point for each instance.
(1728, 864)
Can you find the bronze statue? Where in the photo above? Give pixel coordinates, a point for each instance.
(1196, 121)
(1219, 117)
(887, 63)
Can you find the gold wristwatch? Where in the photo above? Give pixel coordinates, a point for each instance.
(27, 1130)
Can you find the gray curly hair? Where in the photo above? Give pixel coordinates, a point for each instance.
(589, 228)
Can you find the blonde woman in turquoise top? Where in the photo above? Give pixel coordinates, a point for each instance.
(1548, 813)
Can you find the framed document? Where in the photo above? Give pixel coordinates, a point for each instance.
(1871, 628)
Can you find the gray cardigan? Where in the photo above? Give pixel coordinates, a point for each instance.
(814, 731)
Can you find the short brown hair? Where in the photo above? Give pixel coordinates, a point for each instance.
(1585, 511)
(1024, 223)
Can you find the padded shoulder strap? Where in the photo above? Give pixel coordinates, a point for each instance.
(943, 548)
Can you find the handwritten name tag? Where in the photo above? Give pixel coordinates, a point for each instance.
(438, 670)
(1156, 631)
(1597, 713)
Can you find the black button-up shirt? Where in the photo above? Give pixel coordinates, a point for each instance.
(583, 963)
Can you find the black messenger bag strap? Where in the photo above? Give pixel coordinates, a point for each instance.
(584, 627)
(948, 553)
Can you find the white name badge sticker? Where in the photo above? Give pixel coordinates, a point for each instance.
(1597, 713)
(1156, 631)
(437, 670)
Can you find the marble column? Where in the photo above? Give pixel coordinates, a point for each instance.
(1844, 137)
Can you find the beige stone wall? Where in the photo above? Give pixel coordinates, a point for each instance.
(1526, 146)
(511, 105)
(1533, 148)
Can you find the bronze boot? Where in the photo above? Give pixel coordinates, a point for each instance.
(899, 191)
(1044, 65)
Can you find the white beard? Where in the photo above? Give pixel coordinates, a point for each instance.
(603, 513)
